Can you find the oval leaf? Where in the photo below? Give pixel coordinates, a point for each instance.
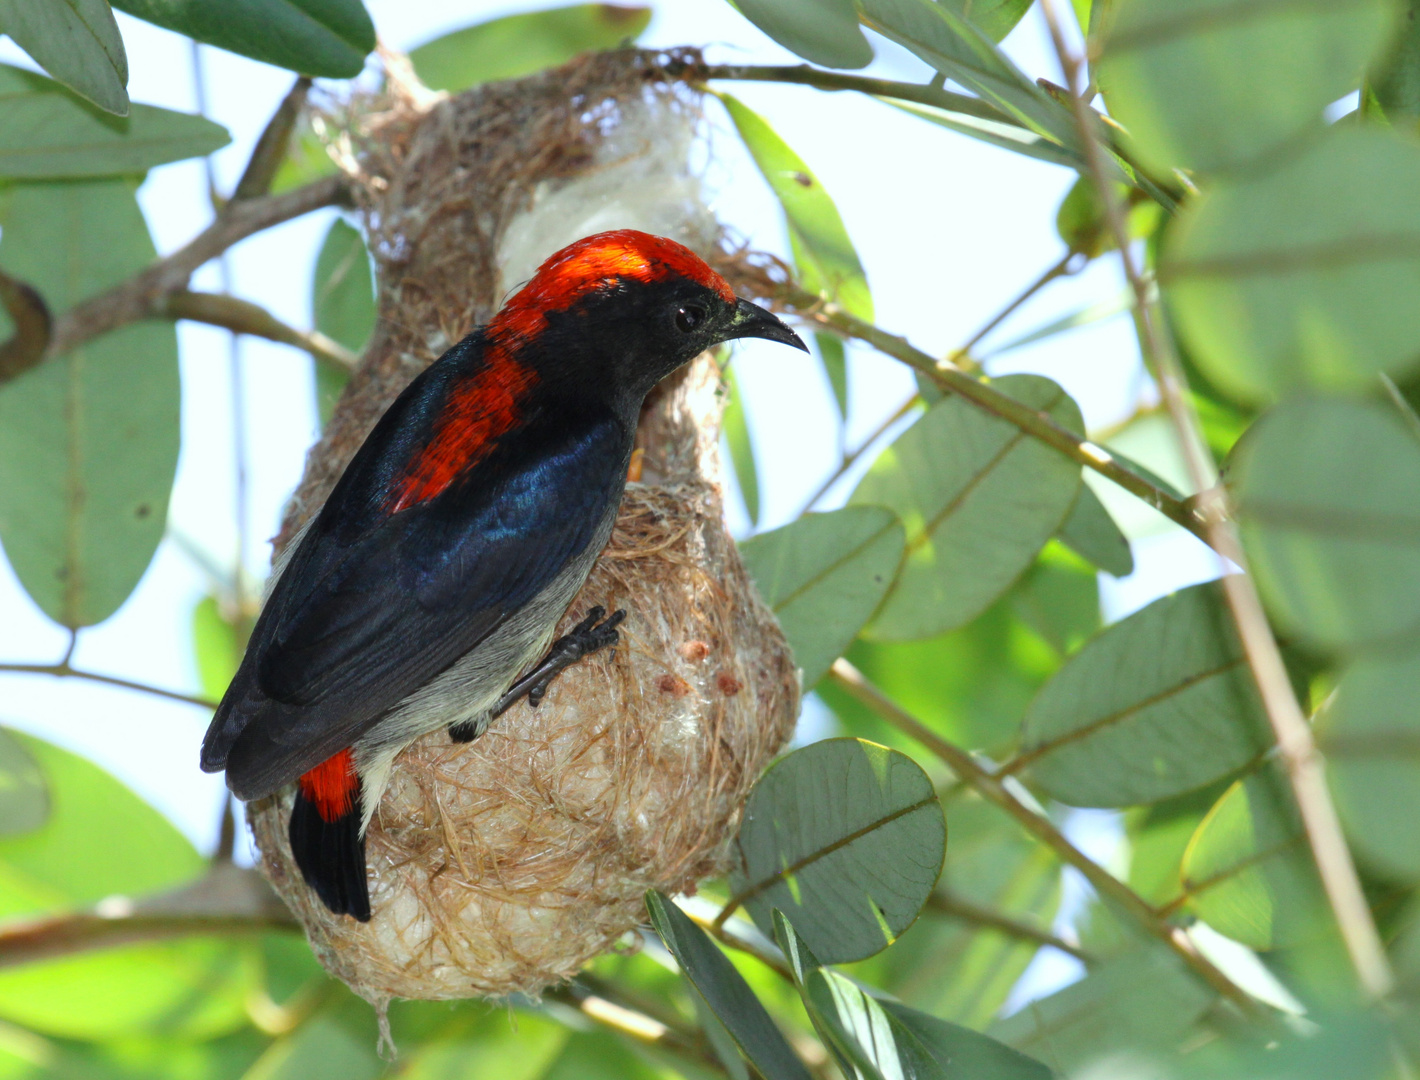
(978, 499)
(725, 991)
(1371, 736)
(24, 795)
(1303, 276)
(824, 575)
(49, 133)
(821, 31)
(846, 837)
(1158, 704)
(823, 254)
(88, 440)
(1210, 84)
(1247, 871)
(343, 304)
(1328, 497)
(1091, 533)
(328, 38)
(518, 45)
(76, 41)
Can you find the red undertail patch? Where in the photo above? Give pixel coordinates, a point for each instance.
(331, 786)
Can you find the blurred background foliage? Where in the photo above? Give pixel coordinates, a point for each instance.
(1251, 166)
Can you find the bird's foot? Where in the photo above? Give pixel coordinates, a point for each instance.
(593, 633)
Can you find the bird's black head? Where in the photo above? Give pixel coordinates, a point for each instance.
(618, 311)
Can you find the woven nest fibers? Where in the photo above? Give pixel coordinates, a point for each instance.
(504, 865)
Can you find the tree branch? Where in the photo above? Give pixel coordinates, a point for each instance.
(228, 899)
(1294, 736)
(1037, 424)
(997, 792)
(243, 317)
(956, 907)
(139, 297)
(64, 671)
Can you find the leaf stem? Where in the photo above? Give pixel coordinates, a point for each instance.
(998, 792)
(863, 447)
(270, 149)
(1061, 269)
(1038, 424)
(1294, 737)
(64, 671)
(956, 907)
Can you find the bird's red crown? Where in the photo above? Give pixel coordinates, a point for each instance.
(598, 262)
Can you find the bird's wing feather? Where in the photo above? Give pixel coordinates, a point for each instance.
(353, 628)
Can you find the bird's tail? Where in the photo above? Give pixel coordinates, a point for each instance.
(326, 839)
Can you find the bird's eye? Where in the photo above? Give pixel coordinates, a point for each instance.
(689, 317)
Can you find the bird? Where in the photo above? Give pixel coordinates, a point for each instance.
(426, 591)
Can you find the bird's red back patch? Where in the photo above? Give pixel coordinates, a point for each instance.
(489, 402)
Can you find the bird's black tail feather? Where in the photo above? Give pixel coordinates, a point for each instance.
(331, 855)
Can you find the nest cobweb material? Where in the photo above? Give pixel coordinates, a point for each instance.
(504, 865)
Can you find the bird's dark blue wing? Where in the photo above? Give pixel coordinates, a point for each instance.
(357, 623)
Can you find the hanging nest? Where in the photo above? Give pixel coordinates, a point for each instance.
(504, 865)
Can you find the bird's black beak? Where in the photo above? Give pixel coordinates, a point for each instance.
(751, 320)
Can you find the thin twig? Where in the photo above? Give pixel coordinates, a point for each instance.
(850, 458)
(64, 671)
(1294, 737)
(228, 899)
(271, 148)
(1059, 270)
(1038, 424)
(996, 791)
(137, 298)
(610, 1009)
(244, 317)
(957, 907)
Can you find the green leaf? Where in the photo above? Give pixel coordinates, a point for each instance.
(725, 991)
(306, 159)
(343, 303)
(50, 133)
(1248, 873)
(1091, 533)
(24, 795)
(996, 18)
(1395, 80)
(886, 1039)
(193, 989)
(1370, 734)
(99, 840)
(846, 838)
(1140, 1000)
(991, 864)
(1158, 704)
(214, 644)
(88, 440)
(737, 438)
(833, 356)
(824, 255)
(967, 55)
(1328, 495)
(821, 31)
(972, 685)
(1059, 598)
(1301, 276)
(76, 41)
(1013, 137)
(518, 45)
(978, 498)
(321, 1047)
(326, 38)
(824, 575)
(1212, 84)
